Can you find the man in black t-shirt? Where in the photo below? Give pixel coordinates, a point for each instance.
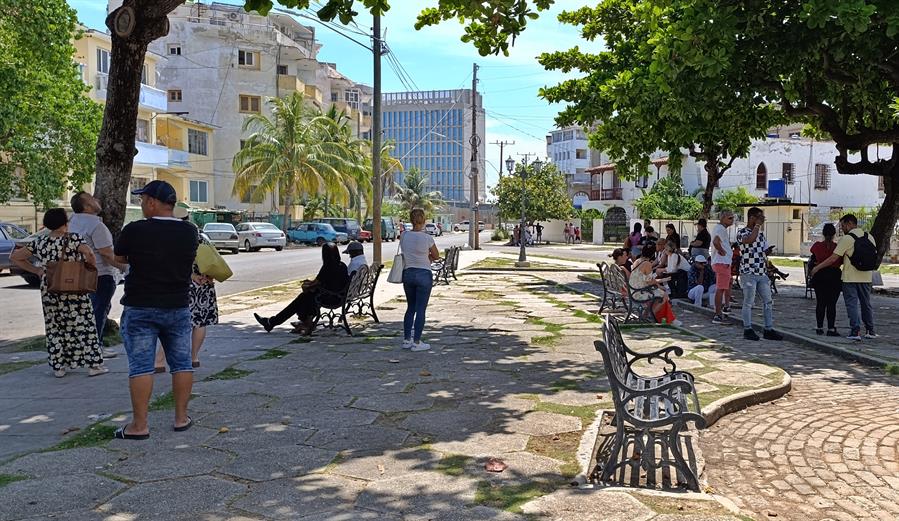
(700, 245)
(160, 251)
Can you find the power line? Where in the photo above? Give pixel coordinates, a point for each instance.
(324, 24)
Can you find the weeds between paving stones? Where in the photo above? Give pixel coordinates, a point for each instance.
(667, 505)
(453, 464)
(9, 367)
(511, 497)
(272, 354)
(891, 369)
(6, 479)
(229, 373)
(94, 435)
(165, 402)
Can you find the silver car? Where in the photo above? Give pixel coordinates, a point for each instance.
(223, 236)
(9, 235)
(255, 236)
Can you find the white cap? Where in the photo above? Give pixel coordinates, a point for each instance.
(699, 258)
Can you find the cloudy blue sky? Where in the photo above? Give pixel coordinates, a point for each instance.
(435, 58)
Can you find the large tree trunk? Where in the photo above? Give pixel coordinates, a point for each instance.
(713, 174)
(133, 26)
(885, 222)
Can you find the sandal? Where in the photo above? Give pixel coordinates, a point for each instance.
(120, 434)
(188, 425)
(159, 370)
(97, 371)
(195, 364)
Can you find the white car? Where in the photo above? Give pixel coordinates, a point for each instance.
(464, 225)
(223, 236)
(432, 229)
(255, 236)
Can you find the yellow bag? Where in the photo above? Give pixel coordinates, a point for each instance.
(209, 262)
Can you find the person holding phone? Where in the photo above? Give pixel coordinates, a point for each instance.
(642, 277)
(754, 274)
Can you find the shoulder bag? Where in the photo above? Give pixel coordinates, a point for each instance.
(70, 277)
(210, 262)
(396, 271)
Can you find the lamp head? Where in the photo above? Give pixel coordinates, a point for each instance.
(510, 164)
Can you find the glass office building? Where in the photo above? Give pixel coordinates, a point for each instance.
(432, 131)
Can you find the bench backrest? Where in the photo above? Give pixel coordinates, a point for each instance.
(374, 273)
(615, 279)
(357, 283)
(614, 357)
(455, 264)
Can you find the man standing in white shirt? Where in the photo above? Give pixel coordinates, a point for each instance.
(722, 257)
(357, 256)
(87, 223)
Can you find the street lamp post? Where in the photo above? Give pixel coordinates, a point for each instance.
(522, 255)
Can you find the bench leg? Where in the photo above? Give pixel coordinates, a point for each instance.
(679, 463)
(608, 471)
(345, 324)
(605, 296)
(371, 306)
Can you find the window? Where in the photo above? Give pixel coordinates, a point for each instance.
(788, 173)
(145, 75)
(103, 61)
(797, 214)
(642, 182)
(761, 177)
(822, 176)
(175, 95)
(249, 104)
(282, 70)
(196, 142)
(248, 59)
(174, 49)
(880, 186)
(580, 153)
(199, 192)
(136, 183)
(143, 130)
(334, 97)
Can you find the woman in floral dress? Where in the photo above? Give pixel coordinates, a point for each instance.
(69, 319)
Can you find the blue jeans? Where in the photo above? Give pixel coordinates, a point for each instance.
(102, 302)
(143, 327)
(417, 284)
(761, 284)
(858, 306)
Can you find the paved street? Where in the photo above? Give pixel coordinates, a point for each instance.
(251, 271)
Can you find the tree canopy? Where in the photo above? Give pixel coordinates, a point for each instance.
(732, 199)
(48, 127)
(667, 200)
(413, 193)
(546, 199)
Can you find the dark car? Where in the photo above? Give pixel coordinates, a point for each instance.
(9, 235)
(388, 228)
(343, 225)
(33, 280)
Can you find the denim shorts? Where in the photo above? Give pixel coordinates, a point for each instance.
(142, 328)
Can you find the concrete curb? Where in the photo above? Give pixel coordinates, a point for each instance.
(846, 354)
(519, 270)
(731, 404)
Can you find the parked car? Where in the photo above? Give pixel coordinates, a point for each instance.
(315, 233)
(461, 226)
(389, 230)
(9, 234)
(364, 235)
(344, 225)
(255, 236)
(433, 229)
(223, 236)
(30, 278)
(407, 227)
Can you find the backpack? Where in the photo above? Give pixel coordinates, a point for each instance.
(864, 254)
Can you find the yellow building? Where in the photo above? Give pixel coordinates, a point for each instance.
(169, 147)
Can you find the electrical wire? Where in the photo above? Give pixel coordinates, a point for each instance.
(324, 24)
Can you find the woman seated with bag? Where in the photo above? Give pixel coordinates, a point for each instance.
(643, 277)
(68, 317)
(677, 268)
(332, 278)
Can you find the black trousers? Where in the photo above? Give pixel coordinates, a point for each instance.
(827, 294)
(304, 307)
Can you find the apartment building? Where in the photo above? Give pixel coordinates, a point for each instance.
(224, 64)
(169, 147)
(432, 132)
(567, 148)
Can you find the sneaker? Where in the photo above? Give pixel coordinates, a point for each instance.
(871, 335)
(60, 373)
(784, 275)
(750, 334)
(109, 353)
(726, 310)
(676, 323)
(717, 319)
(407, 344)
(832, 332)
(854, 336)
(97, 371)
(263, 322)
(819, 331)
(771, 334)
(420, 346)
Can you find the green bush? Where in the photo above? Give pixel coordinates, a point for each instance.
(500, 234)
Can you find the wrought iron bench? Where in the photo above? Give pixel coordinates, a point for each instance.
(446, 267)
(637, 303)
(614, 288)
(334, 306)
(650, 413)
(364, 304)
(806, 270)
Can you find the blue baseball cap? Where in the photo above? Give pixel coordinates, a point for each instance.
(159, 190)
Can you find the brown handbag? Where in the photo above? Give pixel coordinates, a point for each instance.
(71, 277)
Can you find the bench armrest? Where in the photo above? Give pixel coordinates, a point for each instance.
(663, 354)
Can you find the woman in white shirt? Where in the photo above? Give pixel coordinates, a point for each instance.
(419, 251)
(677, 267)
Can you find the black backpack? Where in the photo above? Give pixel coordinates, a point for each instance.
(864, 254)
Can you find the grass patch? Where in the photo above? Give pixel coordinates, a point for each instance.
(586, 413)
(301, 340)
(677, 507)
(510, 497)
(163, 402)
(34, 343)
(6, 479)
(93, 436)
(485, 294)
(545, 341)
(565, 385)
(508, 303)
(229, 373)
(786, 262)
(563, 449)
(589, 317)
(115, 477)
(272, 354)
(9, 367)
(570, 470)
(506, 263)
(891, 369)
(453, 465)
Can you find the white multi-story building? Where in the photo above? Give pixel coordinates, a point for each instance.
(567, 148)
(224, 64)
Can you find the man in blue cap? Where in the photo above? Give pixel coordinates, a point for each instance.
(160, 251)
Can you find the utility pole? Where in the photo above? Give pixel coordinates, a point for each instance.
(526, 157)
(376, 141)
(474, 222)
(501, 144)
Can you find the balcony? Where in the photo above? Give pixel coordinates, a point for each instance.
(288, 84)
(314, 94)
(159, 156)
(606, 194)
(151, 98)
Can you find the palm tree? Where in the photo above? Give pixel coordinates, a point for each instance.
(413, 193)
(389, 166)
(360, 176)
(297, 150)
